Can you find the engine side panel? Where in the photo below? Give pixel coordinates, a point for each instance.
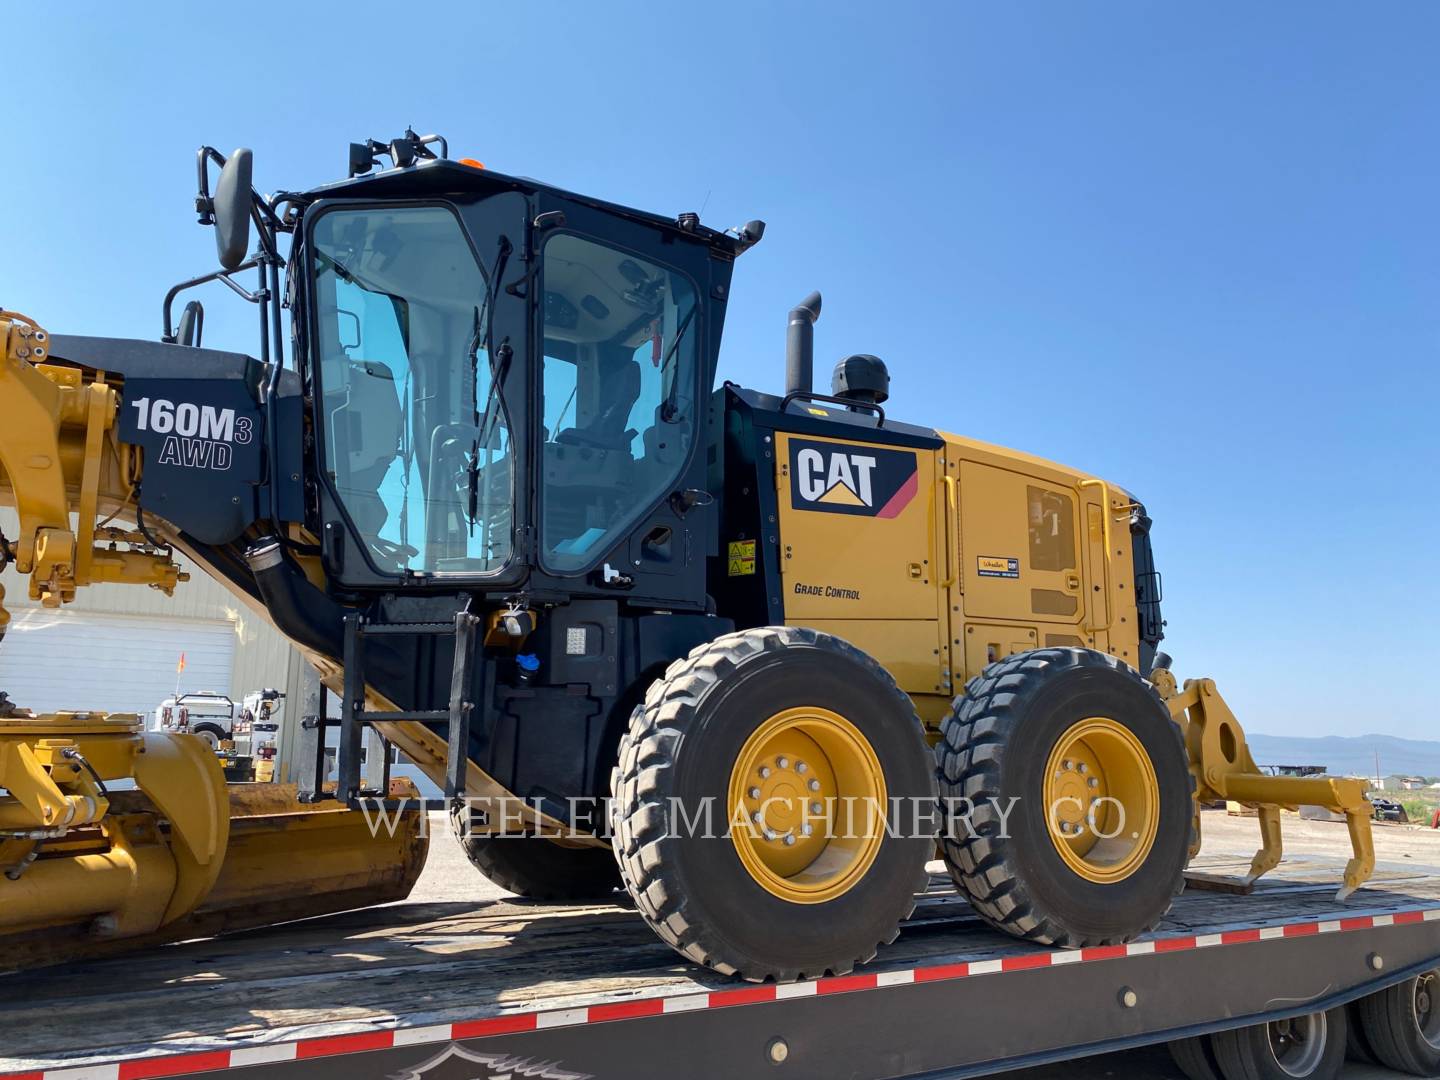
(935, 553)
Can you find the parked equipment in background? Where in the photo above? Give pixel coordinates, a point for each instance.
(499, 505)
(204, 713)
(261, 711)
(1387, 809)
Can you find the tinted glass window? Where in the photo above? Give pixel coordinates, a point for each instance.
(1052, 529)
(417, 445)
(619, 390)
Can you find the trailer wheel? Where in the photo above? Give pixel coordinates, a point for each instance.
(1357, 1042)
(752, 798)
(1402, 1024)
(1195, 1057)
(1310, 1047)
(540, 869)
(1069, 797)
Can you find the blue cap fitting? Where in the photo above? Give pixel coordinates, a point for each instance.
(528, 661)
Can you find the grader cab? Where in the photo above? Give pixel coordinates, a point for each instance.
(746, 655)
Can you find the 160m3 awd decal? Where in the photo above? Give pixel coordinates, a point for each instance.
(837, 478)
(196, 436)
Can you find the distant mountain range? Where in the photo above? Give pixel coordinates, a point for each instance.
(1351, 755)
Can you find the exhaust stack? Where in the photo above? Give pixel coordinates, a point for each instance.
(800, 345)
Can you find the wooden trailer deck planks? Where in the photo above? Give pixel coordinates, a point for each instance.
(426, 964)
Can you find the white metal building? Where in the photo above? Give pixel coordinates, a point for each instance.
(116, 647)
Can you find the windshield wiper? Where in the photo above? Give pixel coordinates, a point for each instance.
(499, 361)
(668, 410)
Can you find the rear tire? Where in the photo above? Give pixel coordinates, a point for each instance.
(1046, 735)
(1305, 1048)
(798, 717)
(540, 869)
(1401, 1024)
(1195, 1057)
(1357, 1043)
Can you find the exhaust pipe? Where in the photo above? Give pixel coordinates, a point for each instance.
(800, 345)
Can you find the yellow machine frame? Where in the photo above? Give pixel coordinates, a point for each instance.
(933, 591)
(999, 552)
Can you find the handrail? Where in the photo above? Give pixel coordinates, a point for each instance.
(1105, 512)
(950, 561)
(849, 403)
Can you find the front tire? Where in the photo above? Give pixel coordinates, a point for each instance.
(773, 729)
(540, 869)
(1070, 798)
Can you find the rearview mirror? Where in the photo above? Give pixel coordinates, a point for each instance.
(192, 325)
(232, 204)
(348, 341)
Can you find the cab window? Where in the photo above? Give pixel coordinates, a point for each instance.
(619, 393)
(416, 441)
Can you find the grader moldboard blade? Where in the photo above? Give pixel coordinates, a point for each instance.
(90, 870)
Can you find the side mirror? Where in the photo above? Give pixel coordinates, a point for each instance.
(192, 325)
(350, 341)
(232, 201)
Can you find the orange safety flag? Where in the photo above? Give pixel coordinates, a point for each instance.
(181, 665)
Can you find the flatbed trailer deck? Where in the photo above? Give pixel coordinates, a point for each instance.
(466, 990)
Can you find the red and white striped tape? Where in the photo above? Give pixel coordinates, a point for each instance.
(149, 1067)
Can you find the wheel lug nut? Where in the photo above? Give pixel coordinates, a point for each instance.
(1083, 768)
(1094, 783)
(1065, 827)
(757, 817)
(801, 767)
(806, 830)
(754, 793)
(816, 808)
(1067, 765)
(782, 762)
(769, 834)
(814, 784)
(764, 772)
(789, 839)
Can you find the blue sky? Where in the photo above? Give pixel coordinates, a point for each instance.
(1191, 248)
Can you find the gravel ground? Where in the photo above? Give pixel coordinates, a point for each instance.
(449, 876)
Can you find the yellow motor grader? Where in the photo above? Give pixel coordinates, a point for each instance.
(727, 649)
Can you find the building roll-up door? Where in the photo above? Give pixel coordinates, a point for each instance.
(51, 660)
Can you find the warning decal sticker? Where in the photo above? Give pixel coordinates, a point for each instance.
(741, 558)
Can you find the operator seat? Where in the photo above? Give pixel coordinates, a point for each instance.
(367, 422)
(618, 391)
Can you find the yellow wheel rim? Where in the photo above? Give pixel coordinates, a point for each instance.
(807, 805)
(1102, 801)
